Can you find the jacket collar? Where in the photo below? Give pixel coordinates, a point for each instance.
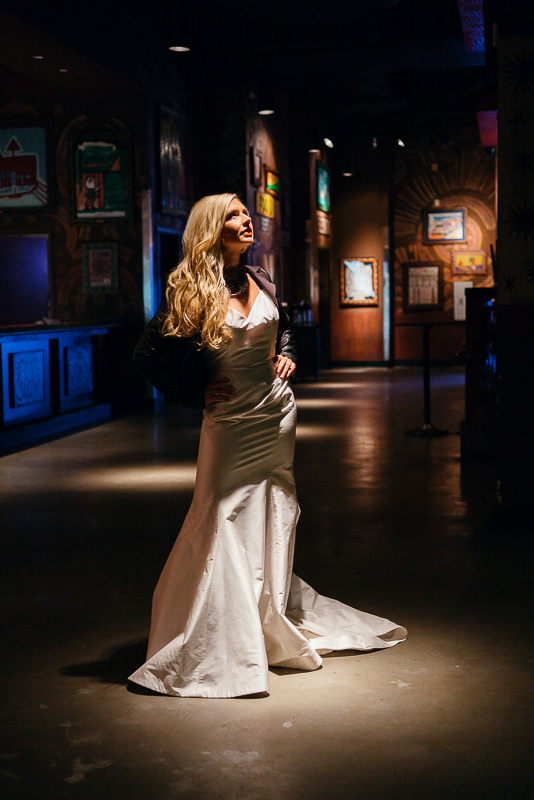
(264, 281)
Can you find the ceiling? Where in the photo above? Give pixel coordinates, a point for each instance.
(343, 60)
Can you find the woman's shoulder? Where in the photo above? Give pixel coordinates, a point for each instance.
(263, 279)
(259, 272)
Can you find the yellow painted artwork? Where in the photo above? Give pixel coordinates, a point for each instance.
(469, 263)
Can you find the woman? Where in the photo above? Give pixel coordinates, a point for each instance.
(227, 605)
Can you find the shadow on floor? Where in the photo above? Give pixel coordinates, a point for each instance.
(116, 665)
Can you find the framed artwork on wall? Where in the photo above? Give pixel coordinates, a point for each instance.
(472, 262)
(23, 168)
(272, 182)
(265, 205)
(101, 179)
(323, 187)
(422, 286)
(174, 169)
(444, 226)
(255, 167)
(100, 270)
(359, 281)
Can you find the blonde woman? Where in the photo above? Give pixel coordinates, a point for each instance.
(227, 605)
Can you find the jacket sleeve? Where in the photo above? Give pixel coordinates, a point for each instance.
(286, 337)
(172, 364)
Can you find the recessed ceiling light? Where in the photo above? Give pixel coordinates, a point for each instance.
(328, 142)
(400, 142)
(266, 111)
(347, 174)
(63, 70)
(180, 49)
(38, 58)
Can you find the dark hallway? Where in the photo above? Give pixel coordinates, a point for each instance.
(390, 524)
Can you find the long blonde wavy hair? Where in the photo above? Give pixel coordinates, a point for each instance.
(197, 296)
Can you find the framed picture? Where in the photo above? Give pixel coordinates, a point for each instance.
(265, 205)
(100, 273)
(359, 282)
(471, 262)
(272, 182)
(323, 187)
(23, 168)
(324, 227)
(422, 286)
(174, 169)
(255, 167)
(444, 226)
(101, 178)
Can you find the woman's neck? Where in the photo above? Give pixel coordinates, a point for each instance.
(232, 270)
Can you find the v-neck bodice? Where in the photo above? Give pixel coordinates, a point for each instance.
(231, 308)
(248, 360)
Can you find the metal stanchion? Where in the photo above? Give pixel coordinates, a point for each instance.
(428, 429)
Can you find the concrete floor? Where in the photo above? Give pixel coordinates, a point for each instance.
(390, 524)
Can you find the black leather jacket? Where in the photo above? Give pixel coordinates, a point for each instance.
(174, 364)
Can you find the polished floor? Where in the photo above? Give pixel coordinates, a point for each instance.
(390, 523)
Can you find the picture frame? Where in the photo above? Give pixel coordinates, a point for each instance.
(445, 226)
(272, 181)
(174, 172)
(100, 178)
(100, 268)
(255, 167)
(24, 160)
(359, 281)
(323, 187)
(422, 286)
(265, 205)
(469, 262)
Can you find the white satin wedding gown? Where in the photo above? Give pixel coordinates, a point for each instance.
(227, 605)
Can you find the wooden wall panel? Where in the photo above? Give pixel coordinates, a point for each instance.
(360, 214)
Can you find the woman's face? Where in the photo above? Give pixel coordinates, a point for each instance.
(237, 233)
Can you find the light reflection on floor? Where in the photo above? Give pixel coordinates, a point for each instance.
(137, 479)
(320, 402)
(317, 431)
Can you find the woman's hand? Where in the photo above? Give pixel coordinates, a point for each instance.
(285, 368)
(219, 390)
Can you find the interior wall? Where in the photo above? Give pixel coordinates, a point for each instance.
(360, 214)
(65, 117)
(441, 161)
(267, 140)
